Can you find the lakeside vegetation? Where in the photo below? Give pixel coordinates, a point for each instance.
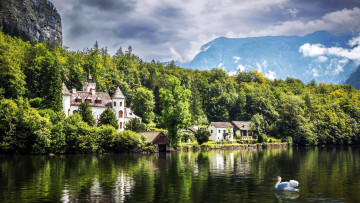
(166, 96)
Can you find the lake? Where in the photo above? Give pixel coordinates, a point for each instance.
(328, 174)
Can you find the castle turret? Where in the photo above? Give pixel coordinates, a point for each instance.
(66, 99)
(118, 106)
(89, 86)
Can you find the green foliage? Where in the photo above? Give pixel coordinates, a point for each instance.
(175, 113)
(202, 135)
(86, 113)
(127, 140)
(166, 97)
(143, 104)
(135, 125)
(108, 118)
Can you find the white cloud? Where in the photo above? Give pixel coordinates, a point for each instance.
(345, 20)
(322, 59)
(292, 12)
(241, 68)
(236, 59)
(313, 50)
(221, 65)
(315, 72)
(338, 70)
(270, 75)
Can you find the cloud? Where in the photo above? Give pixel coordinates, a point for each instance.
(322, 59)
(270, 75)
(345, 20)
(153, 27)
(314, 50)
(292, 12)
(241, 68)
(236, 59)
(338, 70)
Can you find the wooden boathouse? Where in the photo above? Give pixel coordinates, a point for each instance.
(159, 139)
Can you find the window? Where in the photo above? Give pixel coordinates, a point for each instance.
(219, 131)
(211, 131)
(88, 100)
(224, 131)
(97, 101)
(120, 114)
(77, 99)
(120, 103)
(75, 111)
(90, 89)
(68, 111)
(114, 103)
(120, 125)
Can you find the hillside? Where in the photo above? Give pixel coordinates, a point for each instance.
(35, 20)
(277, 57)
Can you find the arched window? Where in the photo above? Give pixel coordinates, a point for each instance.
(120, 125)
(114, 103)
(120, 103)
(120, 114)
(75, 111)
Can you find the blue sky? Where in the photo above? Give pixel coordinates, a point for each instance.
(176, 29)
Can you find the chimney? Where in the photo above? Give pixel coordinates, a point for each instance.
(73, 90)
(93, 91)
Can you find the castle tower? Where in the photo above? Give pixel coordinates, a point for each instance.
(66, 100)
(89, 86)
(118, 106)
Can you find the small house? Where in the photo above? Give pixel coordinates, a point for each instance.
(159, 139)
(242, 129)
(221, 131)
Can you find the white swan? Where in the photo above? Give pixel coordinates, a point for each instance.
(286, 186)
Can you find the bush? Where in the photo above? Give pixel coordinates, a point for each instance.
(127, 141)
(202, 135)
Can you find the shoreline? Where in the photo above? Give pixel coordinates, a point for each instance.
(233, 147)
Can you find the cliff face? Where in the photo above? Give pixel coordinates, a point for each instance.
(35, 20)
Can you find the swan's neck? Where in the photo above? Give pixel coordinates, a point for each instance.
(278, 182)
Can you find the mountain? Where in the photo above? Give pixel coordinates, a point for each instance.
(354, 78)
(278, 57)
(35, 20)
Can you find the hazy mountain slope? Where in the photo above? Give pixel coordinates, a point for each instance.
(277, 56)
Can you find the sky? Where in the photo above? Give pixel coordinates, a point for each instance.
(166, 30)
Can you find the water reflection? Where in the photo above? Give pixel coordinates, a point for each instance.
(283, 195)
(213, 176)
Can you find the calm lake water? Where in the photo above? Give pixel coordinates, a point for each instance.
(329, 174)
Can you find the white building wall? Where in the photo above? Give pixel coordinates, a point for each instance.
(117, 109)
(97, 111)
(218, 133)
(66, 104)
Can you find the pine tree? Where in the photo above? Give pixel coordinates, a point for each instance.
(108, 118)
(86, 113)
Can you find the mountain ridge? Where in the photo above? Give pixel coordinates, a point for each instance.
(277, 57)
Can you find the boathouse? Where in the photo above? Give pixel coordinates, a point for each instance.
(159, 139)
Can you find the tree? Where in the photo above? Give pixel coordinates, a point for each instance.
(108, 118)
(135, 125)
(202, 135)
(175, 113)
(86, 113)
(143, 104)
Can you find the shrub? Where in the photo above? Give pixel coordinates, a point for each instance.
(202, 135)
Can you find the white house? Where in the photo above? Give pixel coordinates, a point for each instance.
(99, 101)
(242, 129)
(221, 131)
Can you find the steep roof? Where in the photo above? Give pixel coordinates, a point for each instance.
(118, 94)
(89, 77)
(150, 136)
(130, 114)
(222, 124)
(65, 90)
(100, 96)
(241, 125)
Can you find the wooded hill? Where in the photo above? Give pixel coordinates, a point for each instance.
(31, 77)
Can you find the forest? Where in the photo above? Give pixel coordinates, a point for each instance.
(165, 96)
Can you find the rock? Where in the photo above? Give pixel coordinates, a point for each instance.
(34, 20)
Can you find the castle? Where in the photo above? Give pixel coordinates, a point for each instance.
(99, 102)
